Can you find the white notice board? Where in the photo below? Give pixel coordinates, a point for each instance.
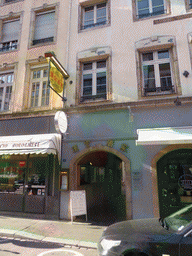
(78, 203)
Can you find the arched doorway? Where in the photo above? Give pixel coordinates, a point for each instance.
(105, 175)
(174, 173)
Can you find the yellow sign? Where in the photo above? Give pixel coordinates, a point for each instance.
(56, 78)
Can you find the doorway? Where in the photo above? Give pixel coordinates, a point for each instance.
(102, 177)
(174, 172)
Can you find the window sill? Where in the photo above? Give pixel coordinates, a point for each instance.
(11, 2)
(41, 44)
(135, 19)
(94, 28)
(161, 93)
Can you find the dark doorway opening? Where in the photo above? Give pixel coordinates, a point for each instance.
(101, 176)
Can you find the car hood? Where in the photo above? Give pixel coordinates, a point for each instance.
(143, 227)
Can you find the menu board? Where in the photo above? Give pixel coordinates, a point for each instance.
(78, 203)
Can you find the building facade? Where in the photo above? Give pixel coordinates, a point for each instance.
(128, 143)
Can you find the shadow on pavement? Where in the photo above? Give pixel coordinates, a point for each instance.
(31, 243)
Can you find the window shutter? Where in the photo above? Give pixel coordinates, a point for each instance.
(44, 25)
(10, 31)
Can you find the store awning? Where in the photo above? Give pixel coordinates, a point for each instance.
(30, 144)
(161, 136)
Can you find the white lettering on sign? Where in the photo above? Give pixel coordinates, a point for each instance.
(3, 145)
(78, 203)
(26, 144)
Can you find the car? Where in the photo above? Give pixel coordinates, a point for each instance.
(170, 236)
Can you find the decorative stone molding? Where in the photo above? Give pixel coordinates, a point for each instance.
(87, 143)
(124, 147)
(110, 143)
(75, 148)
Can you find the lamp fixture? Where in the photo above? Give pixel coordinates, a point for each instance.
(177, 102)
(186, 73)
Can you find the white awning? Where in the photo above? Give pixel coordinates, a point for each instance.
(30, 144)
(168, 135)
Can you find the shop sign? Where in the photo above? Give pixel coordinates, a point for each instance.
(78, 203)
(61, 122)
(19, 145)
(22, 163)
(56, 78)
(185, 181)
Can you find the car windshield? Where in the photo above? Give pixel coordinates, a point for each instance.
(180, 219)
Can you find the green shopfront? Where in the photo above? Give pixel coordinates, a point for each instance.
(28, 170)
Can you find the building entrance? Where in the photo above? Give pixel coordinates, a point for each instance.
(174, 172)
(101, 175)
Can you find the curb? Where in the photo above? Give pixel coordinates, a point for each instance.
(27, 235)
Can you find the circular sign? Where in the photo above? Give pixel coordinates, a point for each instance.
(61, 122)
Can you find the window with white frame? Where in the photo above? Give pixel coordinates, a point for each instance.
(94, 15)
(10, 35)
(40, 91)
(94, 80)
(44, 30)
(146, 8)
(6, 84)
(157, 72)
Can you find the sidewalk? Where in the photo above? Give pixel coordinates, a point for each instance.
(60, 231)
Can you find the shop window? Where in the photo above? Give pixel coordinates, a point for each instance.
(148, 8)
(157, 70)
(19, 176)
(94, 15)
(10, 35)
(40, 91)
(44, 29)
(6, 84)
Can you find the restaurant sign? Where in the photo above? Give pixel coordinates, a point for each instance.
(56, 78)
(185, 181)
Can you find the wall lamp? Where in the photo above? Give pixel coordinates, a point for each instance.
(186, 73)
(177, 102)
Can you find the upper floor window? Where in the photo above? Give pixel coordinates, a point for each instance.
(9, 1)
(94, 80)
(190, 4)
(44, 29)
(146, 8)
(10, 35)
(40, 91)
(94, 15)
(6, 84)
(157, 72)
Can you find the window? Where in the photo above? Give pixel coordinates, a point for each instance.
(40, 91)
(146, 8)
(9, 1)
(190, 4)
(95, 15)
(94, 80)
(44, 29)
(10, 35)
(157, 66)
(157, 74)
(6, 84)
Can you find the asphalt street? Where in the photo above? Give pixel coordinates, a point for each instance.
(27, 247)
